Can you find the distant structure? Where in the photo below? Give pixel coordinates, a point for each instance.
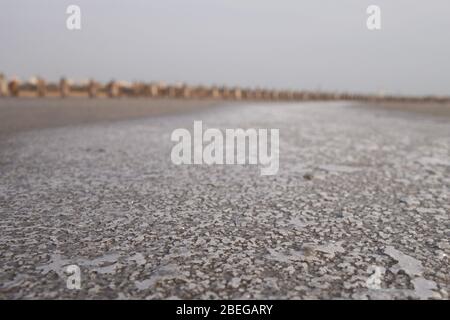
(41, 87)
(38, 87)
(64, 88)
(93, 88)
(13, 87)
(113, 89)
(3, 86)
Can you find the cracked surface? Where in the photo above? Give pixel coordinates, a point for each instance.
(359, 209)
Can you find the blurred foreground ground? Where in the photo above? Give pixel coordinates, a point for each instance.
(360, 207)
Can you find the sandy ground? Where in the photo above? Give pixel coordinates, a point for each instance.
(18, 115)
(441, 110)
(359, 209)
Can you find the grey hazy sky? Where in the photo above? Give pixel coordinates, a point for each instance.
(294, 44)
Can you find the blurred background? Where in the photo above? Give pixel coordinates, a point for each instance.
(289, 44)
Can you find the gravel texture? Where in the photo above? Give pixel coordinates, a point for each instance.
(359, 209)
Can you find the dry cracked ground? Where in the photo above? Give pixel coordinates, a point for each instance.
(359, 209)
